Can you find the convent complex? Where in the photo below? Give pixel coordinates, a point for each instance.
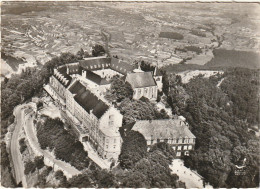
(80, 87)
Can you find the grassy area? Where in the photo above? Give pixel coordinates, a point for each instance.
(233, 58)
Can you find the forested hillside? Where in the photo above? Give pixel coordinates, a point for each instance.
(221, 116)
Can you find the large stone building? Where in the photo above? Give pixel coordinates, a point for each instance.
(172, 131)
(79, 88)
(98, 71)
(99, 120)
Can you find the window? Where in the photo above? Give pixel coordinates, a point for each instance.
(178, 154)
(91, 67)
(185, 147)
(145, 90)
(179, 147)
(139, 91)
(151, 141)
(177, 140)
(158, 140)
(186, 153)
(190, 147)
(165, 140)
(174, 148)
(114, 146)
(115, 140)
(95, 66)
(106, 146)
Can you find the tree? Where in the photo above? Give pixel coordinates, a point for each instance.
(134, 148)
(103, 178)
(22, 145)
(39, 163)
(98, 50)
(80, 54)
(133, 110)
(30, 167)
(119, 90)
(80, 181)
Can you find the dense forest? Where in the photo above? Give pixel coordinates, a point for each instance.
(223, 119)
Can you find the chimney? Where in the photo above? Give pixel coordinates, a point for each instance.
(68, 71)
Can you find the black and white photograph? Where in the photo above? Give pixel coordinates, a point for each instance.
(130, 94)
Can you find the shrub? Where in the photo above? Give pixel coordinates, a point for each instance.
(22, 144)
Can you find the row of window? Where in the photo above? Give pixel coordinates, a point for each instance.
(186, 153)
(98, 66)
(185, 147)
(174, 141)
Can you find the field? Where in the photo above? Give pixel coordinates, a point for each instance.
(41, 30)
(171, 35)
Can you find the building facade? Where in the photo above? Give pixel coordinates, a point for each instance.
(172, 131)
(99, 121)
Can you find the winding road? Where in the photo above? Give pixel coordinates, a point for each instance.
(33, 141)
(15, 148)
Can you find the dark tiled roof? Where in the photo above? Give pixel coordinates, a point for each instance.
(163, 129)
(96, 78)
(88, 100)
(63, 74)
(76, 87)
(140, 79)
(95, 63)
(121, 67)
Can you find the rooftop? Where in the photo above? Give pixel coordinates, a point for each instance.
(62, 76)
(120, 66)
(141, 79)
(163, 129)
(87, 100)
(96, 63)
